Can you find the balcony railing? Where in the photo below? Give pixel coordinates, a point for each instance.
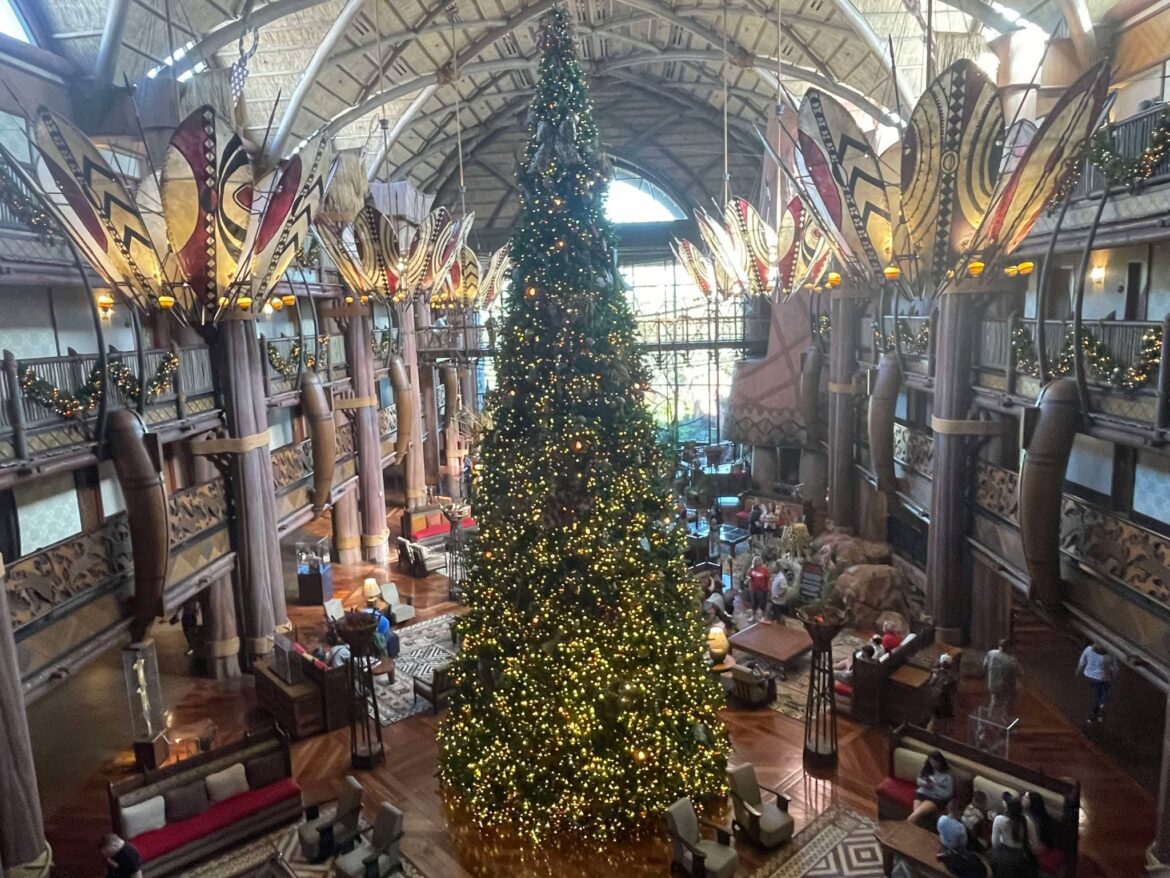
(1129, 138)
(27, 424)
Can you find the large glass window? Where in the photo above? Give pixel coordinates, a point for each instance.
(11, 23)
(634, 199)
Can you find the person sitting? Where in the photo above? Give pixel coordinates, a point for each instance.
(1011, 855)
(1041, 833)
(958, 853)
(891, 639)
(936, 787)
(122, 858)
(843, 670)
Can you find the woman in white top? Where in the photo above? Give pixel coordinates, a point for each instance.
(1011, 851)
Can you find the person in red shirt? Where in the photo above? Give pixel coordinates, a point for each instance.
(891, 639)
(758, 581)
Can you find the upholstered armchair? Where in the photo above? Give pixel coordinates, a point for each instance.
(334, 826)
(377, 852)
(767, 824)
(427, 560)
(437, 689)
(398, 610)
(751, 688)
(691, 854)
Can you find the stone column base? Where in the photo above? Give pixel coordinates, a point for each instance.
(41, 867)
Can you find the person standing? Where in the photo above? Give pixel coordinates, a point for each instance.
(758, 580)
(1099, 668)
(891, 639)
(712, 533)
(779, 587)
(1003, 675)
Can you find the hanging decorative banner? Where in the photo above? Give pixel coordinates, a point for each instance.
(951, 156)
(204, 240)
(1050, 159)
(844, 172)
(697, 266)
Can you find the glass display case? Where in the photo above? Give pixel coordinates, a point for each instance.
(314, 571)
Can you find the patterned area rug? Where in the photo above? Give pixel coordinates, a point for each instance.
(424, 646)
(838, 844)
(254, 860)
(791, 694)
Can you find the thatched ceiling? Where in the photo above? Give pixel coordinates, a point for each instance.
(358, 68)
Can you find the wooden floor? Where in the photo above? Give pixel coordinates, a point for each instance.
(80, 732)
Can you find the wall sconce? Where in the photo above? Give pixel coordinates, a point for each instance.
(1097, 274)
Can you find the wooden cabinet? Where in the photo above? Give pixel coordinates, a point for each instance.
(297, 708)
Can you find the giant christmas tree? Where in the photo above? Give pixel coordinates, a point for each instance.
(581, 700)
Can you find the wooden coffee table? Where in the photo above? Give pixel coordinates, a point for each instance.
(910, 841)
(778, 643)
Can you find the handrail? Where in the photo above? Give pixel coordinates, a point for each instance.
(1129, 138)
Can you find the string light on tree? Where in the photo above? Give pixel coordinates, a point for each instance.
(581, 700)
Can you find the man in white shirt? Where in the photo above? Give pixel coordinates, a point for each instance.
(1099, 668)
(778, 588)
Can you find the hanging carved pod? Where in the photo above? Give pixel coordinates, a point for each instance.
(323, 436)
(1041, 485)
(882, 403)
(810, 393)
(403, 403)
(139, 473)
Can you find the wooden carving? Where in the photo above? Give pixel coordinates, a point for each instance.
(45, 580)
(810, 393)
(197, 509)
(882, 403)
(147, 513)
(323, 436)
(1042, 485)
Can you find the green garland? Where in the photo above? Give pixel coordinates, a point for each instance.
(1121, 170)
(25, 207)
(914, 344)
(1099, 360)
(88, 396)
(288, 368)
(823, 328)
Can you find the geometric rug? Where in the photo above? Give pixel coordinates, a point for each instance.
(423, 647)
(837, 844)
(254, 859)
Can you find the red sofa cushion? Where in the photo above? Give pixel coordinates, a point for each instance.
(436, 529)
(152, 845)
(843, 689)
(894, 789)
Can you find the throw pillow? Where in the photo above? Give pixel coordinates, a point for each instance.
(265, 770)
(143, 817)
(186, 801)
(435, 519)
(227, 783)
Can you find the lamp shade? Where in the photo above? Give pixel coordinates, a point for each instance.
(834, 279)
(370, 589)
(717, 644)
(892, 272)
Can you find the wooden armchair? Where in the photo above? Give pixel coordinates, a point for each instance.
(752, 689)
(377, 852)
(397, 609)
(435, 690)
(693, 855)
(333, 827)
(768, 825)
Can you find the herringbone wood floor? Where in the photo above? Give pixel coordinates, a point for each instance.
(79, 736)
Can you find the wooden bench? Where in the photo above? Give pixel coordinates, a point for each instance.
(911, 842)
(893, 689)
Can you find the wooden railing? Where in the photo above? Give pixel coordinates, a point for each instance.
(1129, 138)
(22, 417)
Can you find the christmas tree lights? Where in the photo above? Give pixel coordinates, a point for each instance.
(581, 700)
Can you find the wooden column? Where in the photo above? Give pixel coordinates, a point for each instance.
(430, 416)
(22, 834)
(948, 584)
(453, 455)
(842, 409)
(409, 404)
(218, 602)
(1161, 846)
(467, 376)
(236, 355)
(347, 541)
(371, 496)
